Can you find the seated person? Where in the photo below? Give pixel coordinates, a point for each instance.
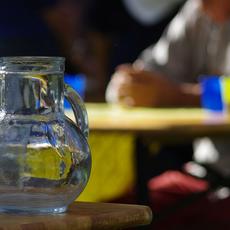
(196, 42)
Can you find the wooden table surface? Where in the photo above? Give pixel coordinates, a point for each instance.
(104, 117)
(82, 216)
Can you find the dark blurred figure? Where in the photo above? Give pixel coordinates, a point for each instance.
(52, 28)
(39, 28)
(24, 30)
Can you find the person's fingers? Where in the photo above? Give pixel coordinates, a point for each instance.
(120, 78)
(124, 67)
(128, 70)
(125, 95)
(119, 86)
(138, 65)
(127, 73)
(129, 93)
(136, 75)
(111, 93)
(124, 90)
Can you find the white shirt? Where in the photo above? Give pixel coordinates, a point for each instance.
(191, 46)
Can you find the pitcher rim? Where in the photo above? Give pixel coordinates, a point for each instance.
(32, 58)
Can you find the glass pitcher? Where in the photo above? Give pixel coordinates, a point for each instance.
(45, 159)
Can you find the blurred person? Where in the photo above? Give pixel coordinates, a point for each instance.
(196, 42)
(166, 75)
(37, 28)
(49, 28)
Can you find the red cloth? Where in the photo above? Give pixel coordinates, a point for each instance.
(171, 187)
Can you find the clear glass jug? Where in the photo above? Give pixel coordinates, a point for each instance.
(45, 159)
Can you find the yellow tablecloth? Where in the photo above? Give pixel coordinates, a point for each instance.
(112, 166)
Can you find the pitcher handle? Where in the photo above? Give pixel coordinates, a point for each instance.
(79, 109)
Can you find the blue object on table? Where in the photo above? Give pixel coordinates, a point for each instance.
(211, 98)
(78, 83)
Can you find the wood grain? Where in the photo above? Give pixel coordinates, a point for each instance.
(82, 216)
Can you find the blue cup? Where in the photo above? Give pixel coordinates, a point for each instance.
(77, 82)
(211, 96)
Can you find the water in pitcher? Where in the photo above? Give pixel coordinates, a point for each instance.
(39, 177)
(39, 167)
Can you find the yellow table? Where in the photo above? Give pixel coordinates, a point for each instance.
(113, 130)
(104, 117)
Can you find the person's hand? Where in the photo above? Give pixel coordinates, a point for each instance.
(136, 87)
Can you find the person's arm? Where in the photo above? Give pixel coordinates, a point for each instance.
(161, 76)
(135, 87)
